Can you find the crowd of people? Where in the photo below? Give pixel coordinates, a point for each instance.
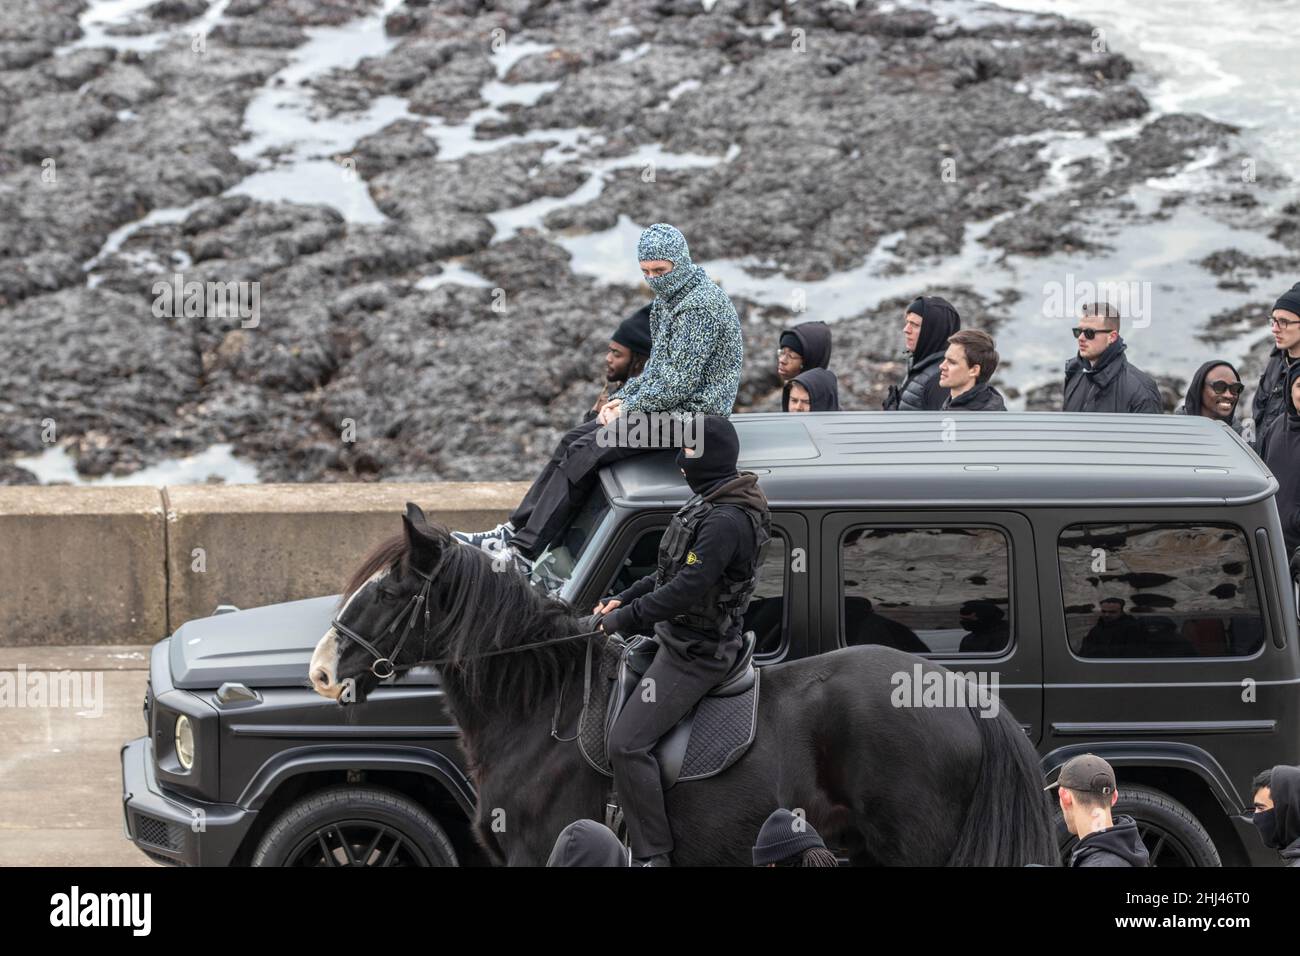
(682, 357)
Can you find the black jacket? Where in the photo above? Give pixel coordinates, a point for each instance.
(822, 387)
(724, 544)
(1118, 845)
(920, 391)
(814, 343)
(1279, 446)
(980, 398)
(1270, 402)
(1110, 384)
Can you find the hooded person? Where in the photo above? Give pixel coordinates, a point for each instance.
(694, 368)
(588, 843)
(1277, 811)
(816, 390)
(1279, 447)
(803, 347)
(629, 350)
(695, 602)
(1270, 400)
(927, 326)
(1100, 377)
(1213, 393)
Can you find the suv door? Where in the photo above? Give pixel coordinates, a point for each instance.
(779, 610)
(958, 588)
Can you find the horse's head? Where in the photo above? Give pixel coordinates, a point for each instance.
(385, 617)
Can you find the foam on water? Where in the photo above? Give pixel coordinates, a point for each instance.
(55, 465)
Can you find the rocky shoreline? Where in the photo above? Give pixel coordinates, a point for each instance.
(454, 332)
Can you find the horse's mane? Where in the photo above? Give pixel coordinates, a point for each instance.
(477, 609)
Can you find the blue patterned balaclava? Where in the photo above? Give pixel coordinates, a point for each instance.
(662, 241)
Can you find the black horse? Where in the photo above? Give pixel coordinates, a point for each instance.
(885, 785)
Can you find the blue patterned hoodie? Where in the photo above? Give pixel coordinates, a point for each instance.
(695, 359)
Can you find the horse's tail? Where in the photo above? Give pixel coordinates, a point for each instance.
(1008, 822)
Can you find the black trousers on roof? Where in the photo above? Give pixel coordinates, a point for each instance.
(562, 487)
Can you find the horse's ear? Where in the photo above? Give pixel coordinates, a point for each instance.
(419, 535)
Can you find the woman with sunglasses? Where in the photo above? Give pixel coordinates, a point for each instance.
(1214, 392)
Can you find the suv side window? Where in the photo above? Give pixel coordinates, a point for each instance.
(766, 615)
(926, 590)
(1159, 589)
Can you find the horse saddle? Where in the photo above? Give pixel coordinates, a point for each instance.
(708, 740)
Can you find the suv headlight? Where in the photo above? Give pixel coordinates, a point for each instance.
(184, 742)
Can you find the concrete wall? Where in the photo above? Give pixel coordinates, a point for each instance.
(128, 565)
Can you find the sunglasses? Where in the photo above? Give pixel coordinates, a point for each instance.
(1232, 388)
(1090, 334)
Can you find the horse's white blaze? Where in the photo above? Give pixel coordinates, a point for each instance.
(323, 671)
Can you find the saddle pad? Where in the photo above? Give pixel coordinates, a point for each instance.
(721, 732)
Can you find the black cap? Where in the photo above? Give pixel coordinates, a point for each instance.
(634, 331)
(1086, 773)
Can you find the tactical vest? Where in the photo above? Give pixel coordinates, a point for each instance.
(723, 606)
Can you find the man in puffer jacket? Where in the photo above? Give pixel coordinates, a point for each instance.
(1100, 378)
(927, 326)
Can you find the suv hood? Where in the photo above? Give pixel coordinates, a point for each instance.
(262, 647)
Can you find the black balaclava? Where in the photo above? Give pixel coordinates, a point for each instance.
(588, 843)
(939, 321)
(715, 462)
(1280, 827)
(634, 332)
(822, 387)
(1192, 401)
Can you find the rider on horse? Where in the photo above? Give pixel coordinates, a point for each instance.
(708, 566)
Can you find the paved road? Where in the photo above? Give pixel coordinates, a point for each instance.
(60, 780)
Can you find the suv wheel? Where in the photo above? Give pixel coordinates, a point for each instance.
(355, 826)
(1172, 834)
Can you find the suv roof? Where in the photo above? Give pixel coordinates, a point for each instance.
(1042, 458)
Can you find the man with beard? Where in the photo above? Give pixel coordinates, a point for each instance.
(1213, 393)
(1100, 378)
(1277, 811)
(1270, 398)
(928, 323)
(695, 602)
(629, 350)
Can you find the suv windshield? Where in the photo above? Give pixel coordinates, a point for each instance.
(561, 560)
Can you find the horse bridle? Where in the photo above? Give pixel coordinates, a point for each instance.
(421, 600)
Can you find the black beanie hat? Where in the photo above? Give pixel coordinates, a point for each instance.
(715, 460)
(791, 341)
(1290, 300)
(780, 838)
(634, 331)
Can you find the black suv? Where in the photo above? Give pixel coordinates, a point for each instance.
(1123, 576)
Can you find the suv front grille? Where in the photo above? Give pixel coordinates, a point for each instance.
(159, 833)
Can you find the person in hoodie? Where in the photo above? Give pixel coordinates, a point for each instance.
(695, 602)
(1279, 447)
(928, 324)
(1100, 378)
(1277, 811)
(1086, 793)
(629, 350)
(587, 843)
(1270, 397)
(816, 390)
(967, 366)
(1213, 393)
(694, 369)
(803, 347)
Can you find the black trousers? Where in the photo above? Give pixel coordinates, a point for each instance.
(562, 487)
(682, 673)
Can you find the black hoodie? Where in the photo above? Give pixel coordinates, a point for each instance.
(1284, 787)
(1117, 845)
(814, 343)
(977, 398)
(822, 387)
(1279, 446)
(588, 843)
(920, 390)
(1192, 402)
